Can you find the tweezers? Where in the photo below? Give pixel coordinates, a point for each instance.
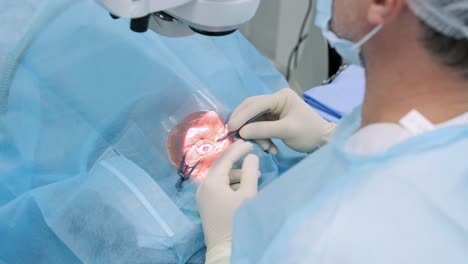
(251, 120)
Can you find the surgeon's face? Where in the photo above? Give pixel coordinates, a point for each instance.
(349, 19)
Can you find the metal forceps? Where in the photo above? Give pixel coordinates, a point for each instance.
(184, 172)
(251, 120)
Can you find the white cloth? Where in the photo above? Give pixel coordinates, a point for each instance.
(381, 136)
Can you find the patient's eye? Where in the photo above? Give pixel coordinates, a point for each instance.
(196, 137)
(205, 148)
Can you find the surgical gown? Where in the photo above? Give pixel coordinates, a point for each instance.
(407, 204)
(85, 107)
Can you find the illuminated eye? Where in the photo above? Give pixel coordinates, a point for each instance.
(204, 149)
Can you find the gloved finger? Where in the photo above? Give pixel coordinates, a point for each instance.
(265, 130)
(249, 108)
(250, 174)
(235, 179)
(235, 186)
(235, 176)
(267, 145)
(274, 149)
(219, 171)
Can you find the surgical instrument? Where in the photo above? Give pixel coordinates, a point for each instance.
(234, 132)
(184, 172)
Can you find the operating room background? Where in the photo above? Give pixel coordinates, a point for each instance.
(275, 31)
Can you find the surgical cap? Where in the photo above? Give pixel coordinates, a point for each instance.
(449, 17)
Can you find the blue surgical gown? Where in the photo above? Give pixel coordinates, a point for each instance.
(404, 205)
(86, 105)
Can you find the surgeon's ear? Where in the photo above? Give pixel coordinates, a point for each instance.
(384, 11)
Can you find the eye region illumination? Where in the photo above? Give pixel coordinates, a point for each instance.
(196, 137)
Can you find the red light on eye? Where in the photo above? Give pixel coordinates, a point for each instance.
(196, 136)
(205, 149)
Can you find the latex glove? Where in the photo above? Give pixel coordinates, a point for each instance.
(291, 119)
(217, 201)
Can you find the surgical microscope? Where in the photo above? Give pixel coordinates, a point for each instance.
(180, 18)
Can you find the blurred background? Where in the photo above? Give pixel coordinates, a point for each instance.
(284, 32)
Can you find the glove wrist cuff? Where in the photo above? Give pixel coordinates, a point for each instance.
(219, 252)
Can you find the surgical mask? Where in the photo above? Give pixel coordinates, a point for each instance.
(350, 51)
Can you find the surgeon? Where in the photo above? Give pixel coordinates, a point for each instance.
(390, 183)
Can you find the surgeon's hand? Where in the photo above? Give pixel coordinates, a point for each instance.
(217, 201)
(291, 120)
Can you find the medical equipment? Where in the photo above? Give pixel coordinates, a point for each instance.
(185, 171)
(235, 132)
(178, 18)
